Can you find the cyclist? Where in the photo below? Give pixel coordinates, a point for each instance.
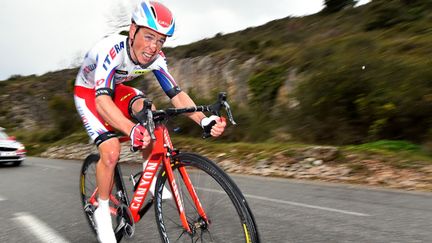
(106, 105)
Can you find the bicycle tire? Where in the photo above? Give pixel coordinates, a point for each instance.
(88, 185)
(230, 217)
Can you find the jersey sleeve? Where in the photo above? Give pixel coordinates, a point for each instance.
(108, 59)
(165, 79)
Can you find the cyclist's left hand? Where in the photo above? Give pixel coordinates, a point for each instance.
(215, 123)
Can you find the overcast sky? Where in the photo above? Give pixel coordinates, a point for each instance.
(47, 35)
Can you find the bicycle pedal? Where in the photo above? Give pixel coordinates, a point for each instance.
(129, 231)
(89, 209)
(126, 223)
(120, 226)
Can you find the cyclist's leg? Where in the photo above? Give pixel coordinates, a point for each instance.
(109, 149)
(102, 135)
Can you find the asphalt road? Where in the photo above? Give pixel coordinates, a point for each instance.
(40, 202)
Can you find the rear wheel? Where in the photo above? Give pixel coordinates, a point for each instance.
(229, 217)
(89, 195)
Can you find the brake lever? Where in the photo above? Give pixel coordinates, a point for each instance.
(222, 102)
(229, 113)
(148, 121)
(150, 126)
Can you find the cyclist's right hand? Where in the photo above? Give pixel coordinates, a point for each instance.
(139, 137)
(213, 126)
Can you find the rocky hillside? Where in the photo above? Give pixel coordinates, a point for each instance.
(353, 76)
(25, 101)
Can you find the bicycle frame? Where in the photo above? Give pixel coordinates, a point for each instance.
(161, 153)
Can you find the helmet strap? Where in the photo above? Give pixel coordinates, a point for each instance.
(131, 47)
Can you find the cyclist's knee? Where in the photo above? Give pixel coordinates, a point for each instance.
(110, 159)
(110, 152)
(137, 104)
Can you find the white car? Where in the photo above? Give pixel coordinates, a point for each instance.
(11, 151)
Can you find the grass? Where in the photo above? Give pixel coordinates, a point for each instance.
(398, 153)
(390, 145)
(246, 153)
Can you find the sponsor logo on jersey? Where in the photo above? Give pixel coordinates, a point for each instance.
(112, 54)
(140, 72)
(100, 131)
(125, 97)
(89, 68)
(103, 91)
(85, 122)
(100, 81)
(122, 72)
(119, 80)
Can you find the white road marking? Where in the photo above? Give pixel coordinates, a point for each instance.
(2, 199)
(307, 205)
(38, 228)
(294, 203)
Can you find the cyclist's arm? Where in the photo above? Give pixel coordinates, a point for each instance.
(111, 113)
(178, 98)
(107, 64)
(183, 100)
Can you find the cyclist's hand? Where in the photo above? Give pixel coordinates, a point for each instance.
(139, 137)
(213, 125)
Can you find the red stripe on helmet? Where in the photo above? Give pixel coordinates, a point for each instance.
(163, 14)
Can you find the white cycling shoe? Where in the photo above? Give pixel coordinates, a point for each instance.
(102, 218)
(166, 194)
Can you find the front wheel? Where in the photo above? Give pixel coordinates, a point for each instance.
(229, 218)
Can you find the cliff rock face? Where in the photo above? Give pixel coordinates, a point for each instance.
(205, 76)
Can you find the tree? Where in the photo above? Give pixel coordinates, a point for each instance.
(332, 6)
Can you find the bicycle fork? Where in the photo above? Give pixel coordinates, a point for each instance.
(178, 199)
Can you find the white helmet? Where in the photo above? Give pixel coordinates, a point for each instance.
(155, 16)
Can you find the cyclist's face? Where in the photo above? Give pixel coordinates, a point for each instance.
(147, 44)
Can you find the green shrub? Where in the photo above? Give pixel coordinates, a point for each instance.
(388, 13)
(65, 117)
(369, 97)
(332, 6)
(264, 86)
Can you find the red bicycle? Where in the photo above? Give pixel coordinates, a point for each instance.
(206, 206)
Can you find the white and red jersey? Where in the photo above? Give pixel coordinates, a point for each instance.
(106, 66)
(109, 63)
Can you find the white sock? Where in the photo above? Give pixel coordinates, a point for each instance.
(102, 217)
(103, 203)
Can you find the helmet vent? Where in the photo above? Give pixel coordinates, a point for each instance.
(153, 11)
